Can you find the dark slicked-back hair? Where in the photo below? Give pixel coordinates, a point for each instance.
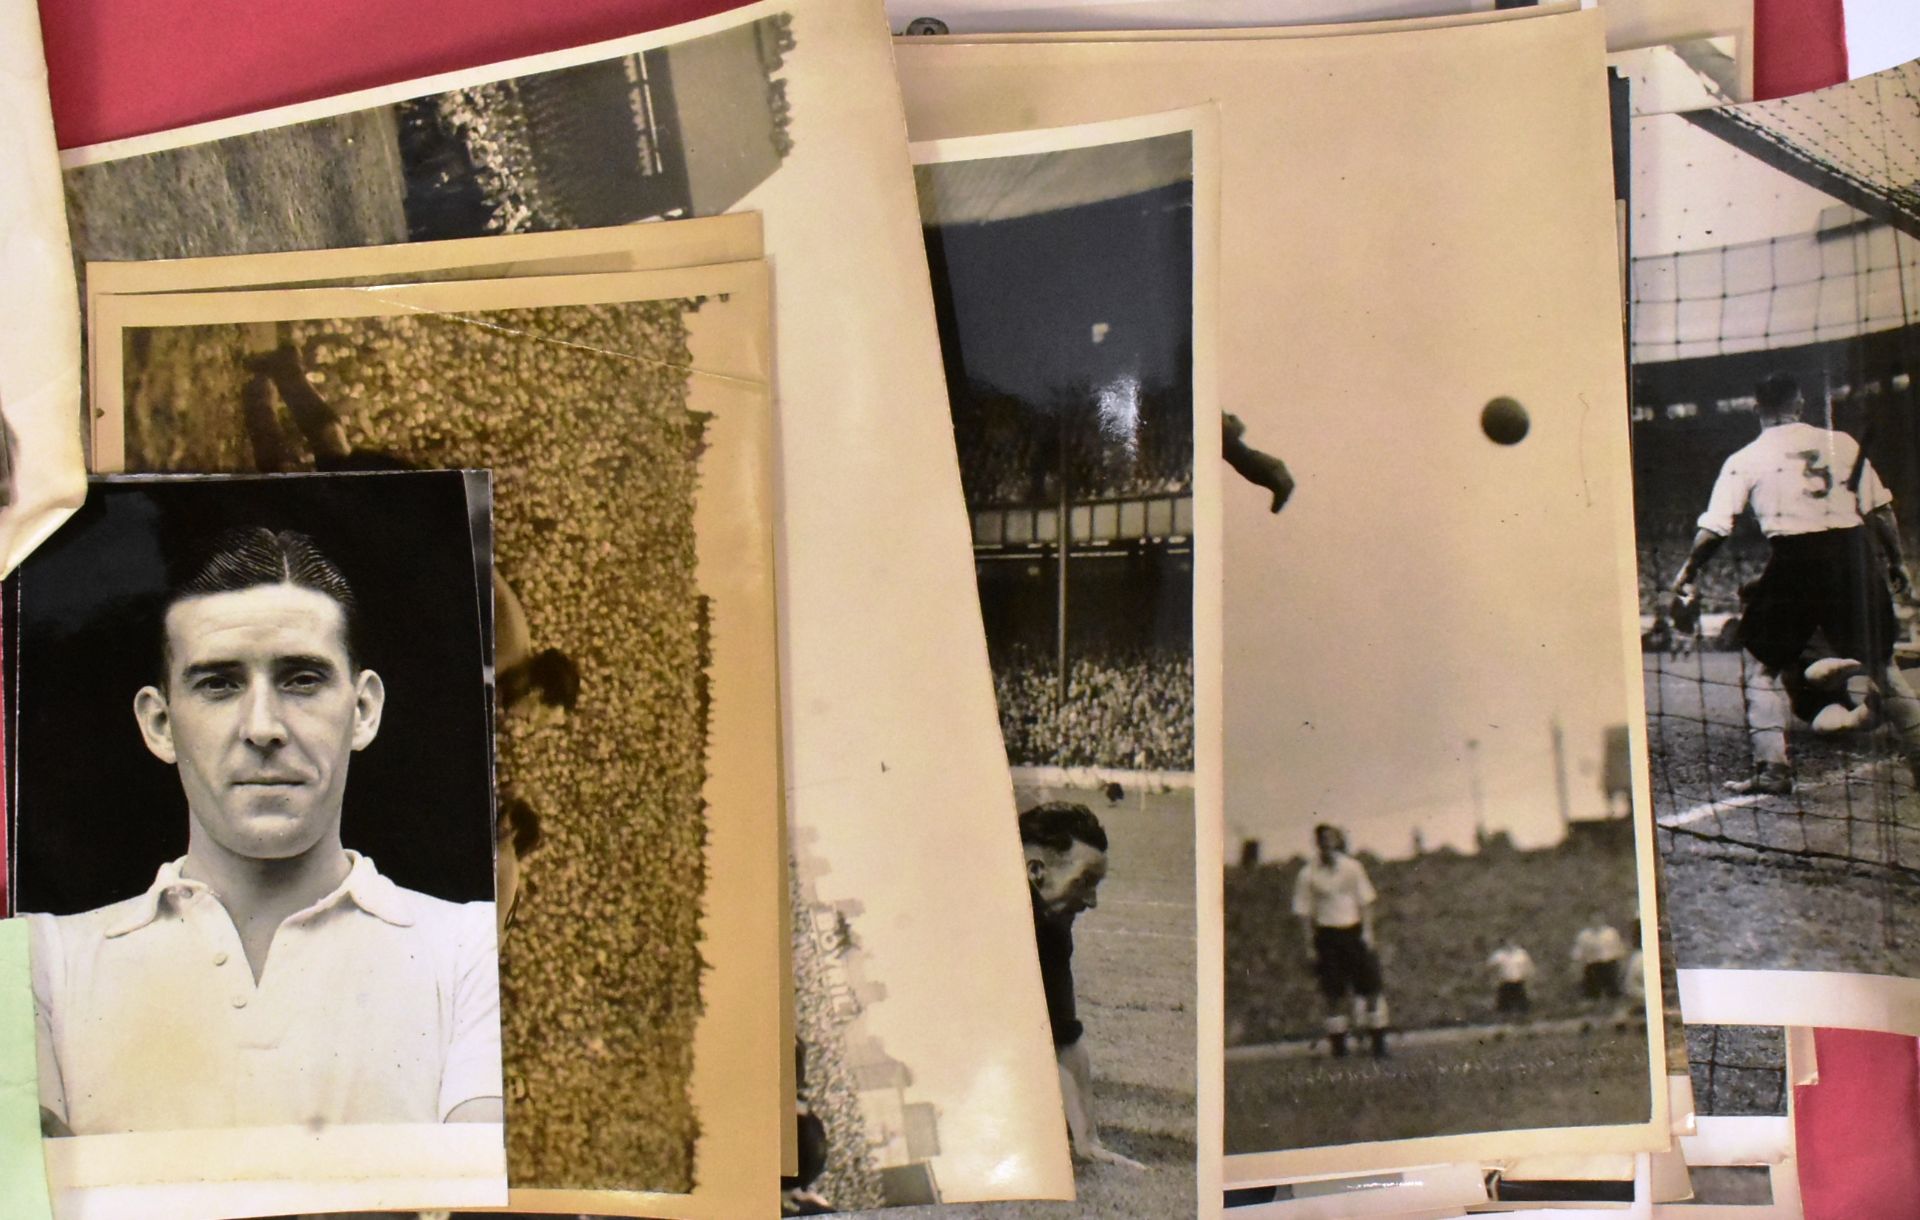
(1328, 828)
(1775, 393)
(250, 556)
(1056, 824)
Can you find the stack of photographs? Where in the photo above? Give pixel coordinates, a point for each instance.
(1426, 615)
(512, 357)
(262, 924)
(1431, 875)
(632, 792)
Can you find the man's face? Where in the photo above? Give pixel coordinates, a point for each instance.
(260, 713)
(1066, 883)
(1327, 841)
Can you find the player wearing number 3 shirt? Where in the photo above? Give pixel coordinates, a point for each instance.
(1823, 510)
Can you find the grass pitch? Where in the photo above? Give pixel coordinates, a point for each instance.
(313, 186)
(1818, 880)
(1133, 967)
(1500, 1082)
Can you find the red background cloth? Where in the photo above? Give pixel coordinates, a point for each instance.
(1855, 1129)
(1798, 45)
(125, 67)
(119, 68)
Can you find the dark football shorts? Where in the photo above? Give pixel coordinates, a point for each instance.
(1511, 997)
(1601, 981)
(1831, 582)
(1346, 965)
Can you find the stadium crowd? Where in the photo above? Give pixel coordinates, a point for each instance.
(1661, 556)
(1129, 708)
(488, 124)
(1012, 451)
(849, 1180)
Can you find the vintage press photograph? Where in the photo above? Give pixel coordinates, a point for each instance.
(626, 416)
(1065, 284)
(296, 668)
(701, 123)
(1776, 343)
(749, 111)
(1427, 343)
(1394, 971)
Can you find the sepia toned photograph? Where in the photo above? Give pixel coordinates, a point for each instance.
(701, 123)
(1775, 351)
(309, 942)
(627, 422)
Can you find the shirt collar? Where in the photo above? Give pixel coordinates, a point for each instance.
(363, 886)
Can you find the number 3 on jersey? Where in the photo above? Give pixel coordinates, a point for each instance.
(1818, 474)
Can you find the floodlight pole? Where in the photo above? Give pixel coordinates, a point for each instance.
(1560, 775)
(1063, 540)
(1479, 799)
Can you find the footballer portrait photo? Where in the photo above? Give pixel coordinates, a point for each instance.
(254, 808)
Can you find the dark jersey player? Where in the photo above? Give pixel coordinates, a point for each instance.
(1066, 850)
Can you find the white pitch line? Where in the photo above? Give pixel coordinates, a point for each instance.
(1099, 932)
(1300, 1048)
(1707, 809)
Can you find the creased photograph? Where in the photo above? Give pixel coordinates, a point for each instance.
(790, 111)
(296, 667)
(1438, 853)
(42, 468)
(627, 418)
(1073, 283)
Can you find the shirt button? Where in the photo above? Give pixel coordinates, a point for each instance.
(239, 1001)
(220, 959)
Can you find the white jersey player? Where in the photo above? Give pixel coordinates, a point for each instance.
(1513, 969)
(1823, 509)
(1334, 899)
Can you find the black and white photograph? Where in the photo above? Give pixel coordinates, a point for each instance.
(626, 419)
(1776, 343)
(1694, 74)
(701, 123)
(1066, 283)
(1738, 1071)
(1430, 646)
(1367, 1002)
(1747, 1084)
(253, 808)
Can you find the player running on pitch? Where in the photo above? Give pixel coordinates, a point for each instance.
(1334, 900)
(1822, 508)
